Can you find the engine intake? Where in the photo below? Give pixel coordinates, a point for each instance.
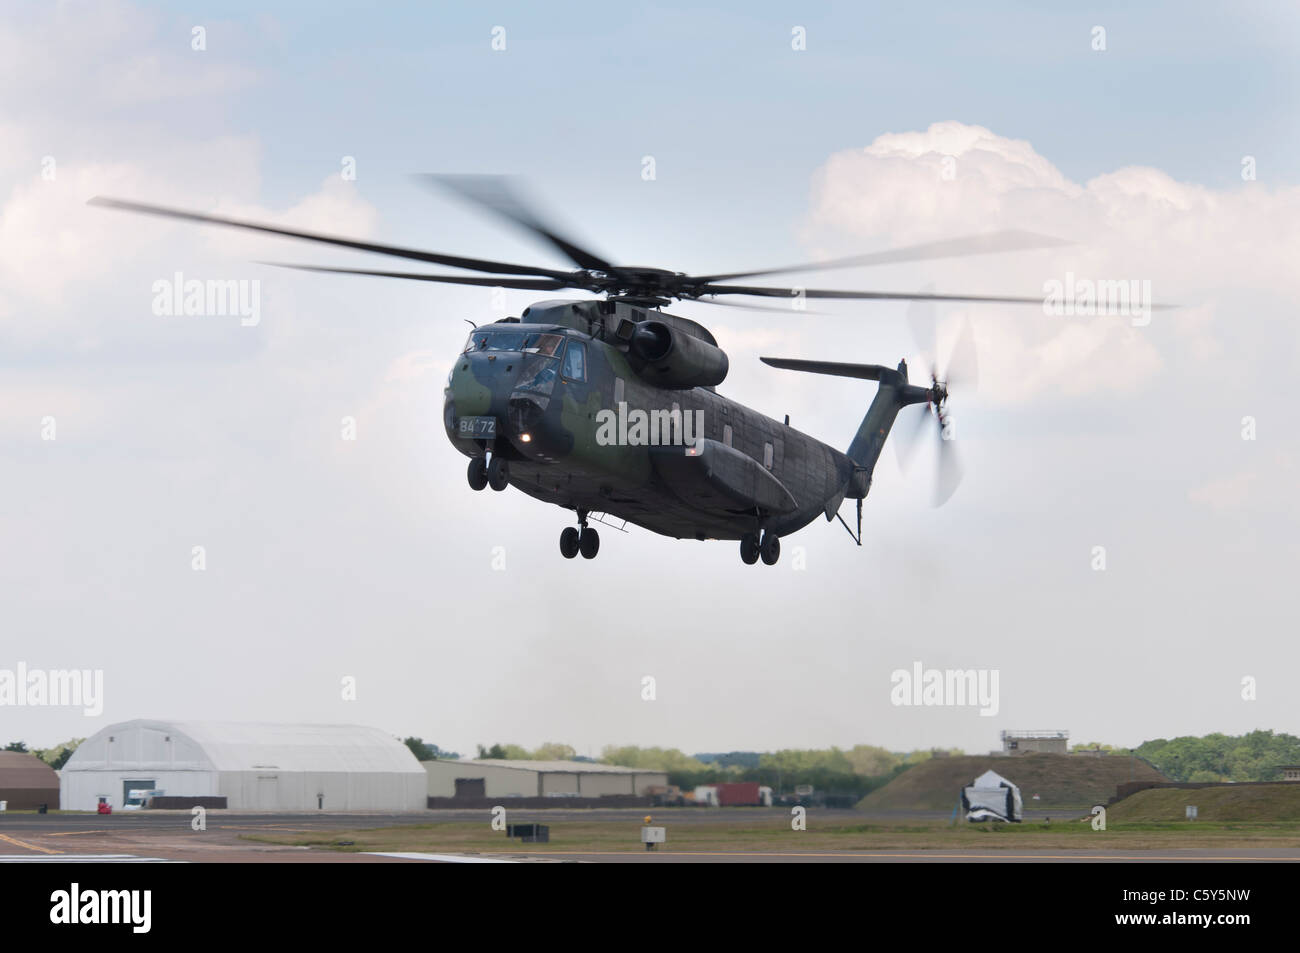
(671, 358)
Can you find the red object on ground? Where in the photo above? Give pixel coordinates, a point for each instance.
(738, 794)
(104, 808)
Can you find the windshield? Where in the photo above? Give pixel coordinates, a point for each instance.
(538, 374)
(501, 339)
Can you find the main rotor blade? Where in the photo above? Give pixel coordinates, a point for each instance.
(528, 284)
(455, 261)
(494, 193)
(859, 295)
(749, 307)
(951, 248)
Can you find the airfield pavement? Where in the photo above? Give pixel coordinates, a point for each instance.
(167, 836)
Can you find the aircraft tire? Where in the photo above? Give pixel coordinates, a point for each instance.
(498, 473)
(478, 476)
(569, 542)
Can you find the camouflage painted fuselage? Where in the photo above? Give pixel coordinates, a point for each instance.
(556, 425)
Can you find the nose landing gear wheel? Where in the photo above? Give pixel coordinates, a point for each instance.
(749, 549)
(498, 473)
(478, 475)
(770, 549)
(589, 543)
(569, 542)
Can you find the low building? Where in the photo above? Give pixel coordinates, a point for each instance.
(1291, 772)
(27, 782)
(254, 766)
(1029, 742)
(494, 778)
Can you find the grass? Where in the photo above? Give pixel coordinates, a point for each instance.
(1061, 781)
(776, 836)
(1240, 804)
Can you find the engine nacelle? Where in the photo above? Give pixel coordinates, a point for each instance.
(672, 358)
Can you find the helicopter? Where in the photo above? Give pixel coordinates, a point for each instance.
(609, 407)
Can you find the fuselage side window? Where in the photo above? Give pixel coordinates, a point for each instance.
(575, 361)
(767, 455)
(726, 434)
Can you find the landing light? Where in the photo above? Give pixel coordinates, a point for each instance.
(525, 438)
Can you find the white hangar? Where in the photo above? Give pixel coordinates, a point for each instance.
(255, 766)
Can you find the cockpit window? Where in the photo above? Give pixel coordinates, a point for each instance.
(500, 339)
(546, 344)
(483, 339)
(575, 361)
(538, 374)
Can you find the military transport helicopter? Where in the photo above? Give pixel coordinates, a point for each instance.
(609, 406)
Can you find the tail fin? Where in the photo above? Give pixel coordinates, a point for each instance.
(893, 395)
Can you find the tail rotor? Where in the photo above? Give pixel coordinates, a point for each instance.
(962, 369)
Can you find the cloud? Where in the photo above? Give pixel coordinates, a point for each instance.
(58, 59)
(1194, 244)
(1265, 486)
(1227, 492)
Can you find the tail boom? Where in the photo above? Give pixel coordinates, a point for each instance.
(893, 394)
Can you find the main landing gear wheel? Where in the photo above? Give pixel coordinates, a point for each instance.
(589, 542)
(770, 549)
(569, 542)
(498, 473)
(749, 549)
(478, 474)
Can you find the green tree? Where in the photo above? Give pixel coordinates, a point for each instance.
(16, 746)
(1255, 756)
(418, 748)
(651, 759)
(428, 752)
(553, 751)
(58, 756)
(868, 760)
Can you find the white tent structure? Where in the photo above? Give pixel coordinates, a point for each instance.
(255, 766)
(992, 797)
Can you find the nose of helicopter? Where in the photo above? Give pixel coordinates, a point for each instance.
(494, 384)
(481, 383)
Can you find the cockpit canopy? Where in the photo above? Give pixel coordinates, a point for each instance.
(513, 339)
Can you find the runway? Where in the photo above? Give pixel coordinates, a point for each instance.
(1265, 855)
(167, 836)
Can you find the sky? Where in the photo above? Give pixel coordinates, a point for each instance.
(1169, 156)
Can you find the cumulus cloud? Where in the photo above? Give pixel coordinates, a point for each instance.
(59, 58)
(1192, 243)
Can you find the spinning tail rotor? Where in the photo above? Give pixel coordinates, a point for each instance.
(961, 370)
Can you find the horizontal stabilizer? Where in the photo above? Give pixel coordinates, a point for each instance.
(866, 372)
